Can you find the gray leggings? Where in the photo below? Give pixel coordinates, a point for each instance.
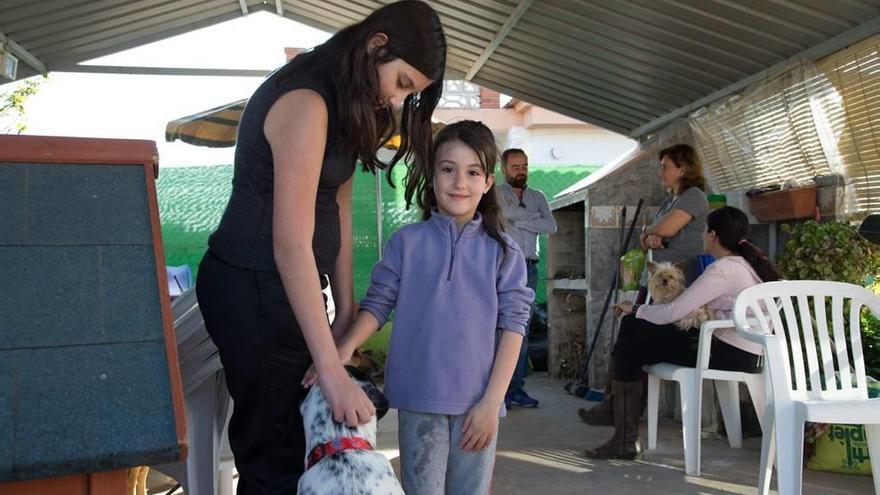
(431, 461)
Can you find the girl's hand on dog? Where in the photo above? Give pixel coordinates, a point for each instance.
(348, 401)
(623, 308)
(480, 426)
(311, 376)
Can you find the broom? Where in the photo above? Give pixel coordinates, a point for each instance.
(592, 394)
(580, 388)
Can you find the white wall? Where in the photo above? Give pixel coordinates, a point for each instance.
(566, 145)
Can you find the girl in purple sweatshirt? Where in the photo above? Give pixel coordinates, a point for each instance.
(458, 285)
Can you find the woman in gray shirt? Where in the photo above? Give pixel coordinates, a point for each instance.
(676, 234)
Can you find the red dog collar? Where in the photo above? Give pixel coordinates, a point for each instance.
(339, 445)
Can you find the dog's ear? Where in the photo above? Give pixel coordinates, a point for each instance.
(380, 402)
(679, 266)
(652, 267)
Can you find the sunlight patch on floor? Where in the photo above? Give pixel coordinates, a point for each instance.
(566, 460)
(389, 454)
(714, 485)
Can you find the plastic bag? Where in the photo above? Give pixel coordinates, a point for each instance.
(631, 265)
(844, 448)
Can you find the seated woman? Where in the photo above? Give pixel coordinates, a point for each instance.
(648, 334)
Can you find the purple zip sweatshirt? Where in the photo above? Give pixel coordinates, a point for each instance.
(454, 292)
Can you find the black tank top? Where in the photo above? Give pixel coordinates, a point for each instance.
(244, 236)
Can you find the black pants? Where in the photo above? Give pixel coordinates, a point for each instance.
(641, 342)
(265, 357)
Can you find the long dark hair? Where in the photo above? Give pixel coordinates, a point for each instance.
(414, 35)
(684, 156)
(476, 136)
(731, 226)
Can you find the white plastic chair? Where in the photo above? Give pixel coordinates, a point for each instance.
(690, 382)
(820, 381)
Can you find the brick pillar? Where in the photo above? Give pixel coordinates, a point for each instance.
(489, 98)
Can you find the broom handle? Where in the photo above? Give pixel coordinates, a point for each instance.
(632, 226)
(611, 290)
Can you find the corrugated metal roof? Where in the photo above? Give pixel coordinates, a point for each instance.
(619, 65)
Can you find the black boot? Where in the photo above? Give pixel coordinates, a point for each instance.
(601, 415)
(624, 444)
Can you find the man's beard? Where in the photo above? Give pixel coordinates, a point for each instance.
(518, 181)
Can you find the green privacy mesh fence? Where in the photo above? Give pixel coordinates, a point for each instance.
(192, 199)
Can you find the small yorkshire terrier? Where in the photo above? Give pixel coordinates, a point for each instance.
(665, 283)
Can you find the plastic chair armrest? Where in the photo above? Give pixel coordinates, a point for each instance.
(748, 334)
(707, 329)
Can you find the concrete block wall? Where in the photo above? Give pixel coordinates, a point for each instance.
(565, 258)
(566, 293)
(566, 311)
(637, 180)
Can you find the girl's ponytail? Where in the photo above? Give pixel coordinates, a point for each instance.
(731, 226)
(765, 269)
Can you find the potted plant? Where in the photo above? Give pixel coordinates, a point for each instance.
(835, 251)
(828, 251)
(783, 204)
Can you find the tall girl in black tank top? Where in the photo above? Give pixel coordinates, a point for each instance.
(286, 231)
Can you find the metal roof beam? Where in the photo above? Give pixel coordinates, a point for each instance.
(627, 16)
(555, 77)
(676, 23)
(123, 25)
(700, 11)
(244, 7)
(559, 27)
(827, 47)
(629, 36)
(114, 38)
(160, 71)
(279, 7)
(812, 11)
(502, 33)
(603, 108)
(24, 55)
(760, 14)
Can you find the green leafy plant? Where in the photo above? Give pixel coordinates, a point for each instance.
(835, 251)
(871, 343)
(828, 251)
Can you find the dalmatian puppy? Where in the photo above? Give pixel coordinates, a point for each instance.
(341, 460)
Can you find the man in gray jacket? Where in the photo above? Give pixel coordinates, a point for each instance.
(526, 215)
